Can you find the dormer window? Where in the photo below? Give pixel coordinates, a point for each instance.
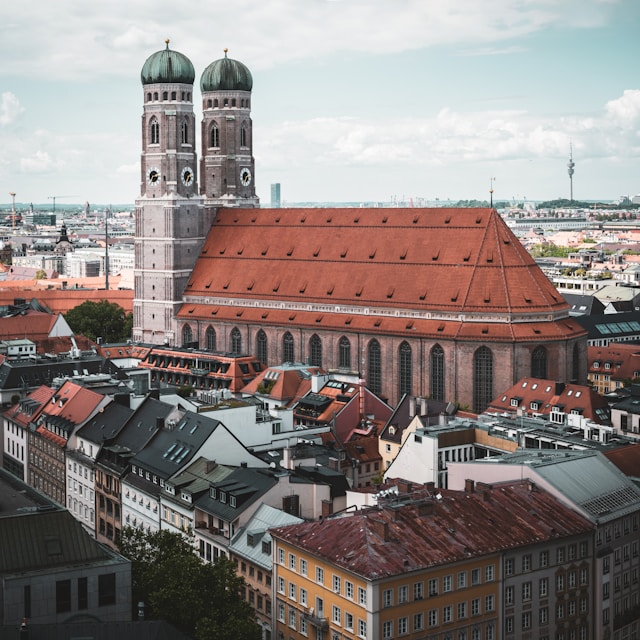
(596, 365)
(515, 402)
(223, 497)
(213, 492)
(534, 406)
(607, 365)
(232, 501)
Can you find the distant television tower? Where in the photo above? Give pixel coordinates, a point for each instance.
(570, 170)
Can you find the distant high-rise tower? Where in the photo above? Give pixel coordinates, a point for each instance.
(570, 169)
(275, 196)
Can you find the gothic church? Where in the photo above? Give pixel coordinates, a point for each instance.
(443, 303)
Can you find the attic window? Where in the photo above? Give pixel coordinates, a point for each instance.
(535, 330)
(424, 295)
(447, 220)
(489, 256)
(303, 288)
(527, 299)
(222, 251)
(377, 323)
(454, 297)
(316, 253)
(226, 284)
(277, 220)
(206, 286)
(487, 296)
(303, 219)
(276, 286)
(292, 317)
(485, 330)
(436, 255)
(359, 291)
(390, 292)
(534, 406)
(330, 290)
(409, 325)
(265, 315)
(250, 285)
(348, 320)
(214, 311)
(253, 219)
(441, 328)
(356, 220)
(319, 318)
(329, 220)
(372, 255)
(403, 255)
(264, 251)
(290, 252)
(344, 253)
(478, 219)
(191, 310)
(384, 220)
(416, 219)
(506, 241)
(467, 257)
(239, 314)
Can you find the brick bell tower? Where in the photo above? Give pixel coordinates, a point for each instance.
(171, 221)
(227, 166)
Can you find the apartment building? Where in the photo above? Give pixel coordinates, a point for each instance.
(423, 565)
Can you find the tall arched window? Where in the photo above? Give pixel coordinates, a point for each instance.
(437, 373)
(154, 127)
(406, 368)
(375, 367)
(315, 351)
(210, 339)
(288, 351)
(539, 363)
(482, 379)
(243, 135)
(344, 353)
(261, 346)
(236, 341)
(184, 132)
(576, 364)
(187, 336)
(215, 136)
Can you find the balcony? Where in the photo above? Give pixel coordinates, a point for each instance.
(316, 619)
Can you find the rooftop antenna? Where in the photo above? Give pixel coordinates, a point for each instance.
(570, 170)
(106, 248)
(13, 208)
(491, 192)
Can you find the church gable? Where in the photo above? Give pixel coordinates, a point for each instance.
(443, 260)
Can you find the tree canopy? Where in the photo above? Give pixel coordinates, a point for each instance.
(205, 601)
(104, 319)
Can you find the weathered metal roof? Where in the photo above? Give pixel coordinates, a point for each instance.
(226, 74)
(167, 66)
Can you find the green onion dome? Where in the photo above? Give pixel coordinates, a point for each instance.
(226, 75)
(167, 66)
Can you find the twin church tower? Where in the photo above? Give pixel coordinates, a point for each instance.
(179, 194)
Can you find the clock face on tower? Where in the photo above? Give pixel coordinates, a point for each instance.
(245, 177)
(153, 176)
(187, 176)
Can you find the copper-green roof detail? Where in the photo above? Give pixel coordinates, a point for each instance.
(167, 66)
(226, 75)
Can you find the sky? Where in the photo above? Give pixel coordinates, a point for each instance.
(358, 101)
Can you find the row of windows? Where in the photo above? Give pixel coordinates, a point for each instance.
(571, 552)
(417, 624)
(527, 619)
(526, 589)
(215, 103)
(155, 96)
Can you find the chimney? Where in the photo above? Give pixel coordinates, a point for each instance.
(159, 422)
(210, 466)
(243, 465)
(404, 486)
(327, 508)
(469, 486)
(559, 388)
(425, 508)
(430, 486)
(381, 529)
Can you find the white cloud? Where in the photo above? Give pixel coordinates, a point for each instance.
(625, 110)
(10, 108)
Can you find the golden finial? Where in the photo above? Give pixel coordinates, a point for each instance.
(225, 52)
(167, 41)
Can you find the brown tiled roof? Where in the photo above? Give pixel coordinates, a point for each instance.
(36, 400)
(63, 300)
(547, 394)
(623, 360)
(444, 260)
(34, 324)
(289, 383)
(395, 540)
(627, 459)
(73, 403)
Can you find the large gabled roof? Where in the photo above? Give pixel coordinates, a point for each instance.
(443, 260)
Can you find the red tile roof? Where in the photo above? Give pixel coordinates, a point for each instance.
(623, 360)
(74, 403)
(395, 540)
(394, 258)
(627, 459)
(36, 400)
(63, 300)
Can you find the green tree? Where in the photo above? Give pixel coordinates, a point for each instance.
(203, 600)
(103, 319)
(41, 274)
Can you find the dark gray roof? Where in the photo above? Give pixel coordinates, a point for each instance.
(106, 424)
(583, 305)
(611, 325)
(245, 484)
(39, 540)
(83, 628)
(173, 448)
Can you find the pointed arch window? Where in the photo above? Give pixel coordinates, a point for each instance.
(210, 338)
(184, 132)
(288, 351)
(236, 341)
(375, 367)
(482, 379)
(437, 373)
(406, 368)
(261, 347)
(243, 135)
(315, 351)
(214, 137)
(154, 131)
(187, 336)
(539, 363)
(344, 353)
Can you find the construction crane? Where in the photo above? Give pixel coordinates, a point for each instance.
(54, 198)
